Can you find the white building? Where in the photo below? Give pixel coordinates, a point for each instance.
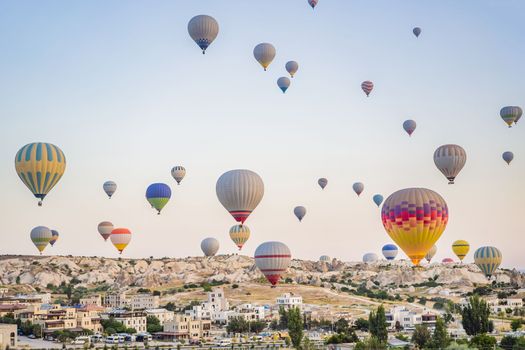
(130, 319)
(8, 336)
(249, 312)
(143, 301)
(499, 305)
(215, 308)
(400, 316)
(91, 300)
(161, 314)
(289, 300)
(115, 300)
(185, 327)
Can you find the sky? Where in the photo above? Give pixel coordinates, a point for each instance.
(122, 89)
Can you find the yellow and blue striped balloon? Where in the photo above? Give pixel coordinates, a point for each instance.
(488, 259)
(40, 166)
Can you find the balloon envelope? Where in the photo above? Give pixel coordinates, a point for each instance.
(120, 237)
(409, 126)
(272, 259)
(358, 187)
(313, 3)
(510, 114)
(325, 258)
(203, 30)
(416, 31)
(322, 182)
(367, 86)
(450, 159)
(178, 172)
(239, 234)
(283, 83)
(508, 156)
(40, 166)
(447, 261)
(389, 251)
(461, 248)
(210, 246)
(40, 236)
(370, 258)
(488, 259)
(430, 254)
(299, 212)
(415, 218)
(378, 199)
(292, 67)
(54, 237)
(105, 228)
(158, 195)
(109, 187)
(264, 53)
(240, 191)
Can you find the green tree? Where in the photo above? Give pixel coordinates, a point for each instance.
(341, 326)
(283, 318)
(237, 325)
(476, 317)
(153, 324)
(295, 326)
(340, 338)
(371, 343)
(170, 306)
(37, 330)
(483, 341)
(421, 336)
(508, 342)
(516, 324)
(362, 324)
(440, 338)
(378, 325)
(257, 326)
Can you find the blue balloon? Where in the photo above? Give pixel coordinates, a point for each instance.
(158, 195)
(378, 199)
(390, 251)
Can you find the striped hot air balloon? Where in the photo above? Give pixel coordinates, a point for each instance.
(367, 87)
(322, 182)
(510, 114)
(299, 212)
(415, 218)
(325, 258)
(239, 234)
(210, 246)
(447, 261)
(54, 237)
(518, 116)
(178, 172)
(461, 248)
(450, 159)
(283, 83)
(158, 195)
(109, 187)
(272, 259)
(488, 259)
(313, 3)
(264, 53)
(378, 199)
(389, 251)
(40, 166)
(409, 126)
(292, 67)
(203, 30)
(120, 237)
(105, 228)
(40, 236)
(370, 258)
(358, 187)
(431, 253)
(508, 157)
(240, 191)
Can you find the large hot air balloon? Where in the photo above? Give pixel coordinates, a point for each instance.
(520, 113)
(416, 31)
(120, 237)
(239, 235)
(358, 187)
(431, 253)
(367, 87)
(264, 53)
(203, 30)
(415, 218)
(292, 67)
(105, 228)
(510, 114)
(313, 3)
(322, 182)
(240, 191)
(299, 212)
(283, 83)
(109, 187)
(210, 246)
(447, 261)
(389, 251)
(324, 258)
(508, 157)
(40, 166)
(488, 259)
(409, 126)
(178, 172)
(54, 237)
(378, 199)
(158, 195)
(460, 248)
(41, 236)
(450, 159)
(272, 258)
(370, 258)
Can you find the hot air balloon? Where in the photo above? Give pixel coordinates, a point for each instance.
(367, 87)
(158, 195)
(264, 53)
(178, 172)
(488, 260)
(370, 258)
(510, 114)
(409, 126)
(292, 67)
(447, 261)
(450, 159)
(120, 237)
(272, 259)
(415, 218)
(313, 3)
(460, 248)
(210, 246)
(239, 235)
(358, 188)
(416, 31)
(105, 228)
(430, 254)
(54, 237)
(389, 251)
(203, 30)
(520, 113)
(109, 187)
(508, 157)
(40, 166)
(240, 191)
(322, 182)
(41, 236)
(299, 212)
(378, 199)
(283, 83)
(324, 258)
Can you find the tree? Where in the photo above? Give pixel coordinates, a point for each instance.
(516, 324)
(295, 326)
(37, 330)
(283, 318)
(256, 326)
(237, 325)
(508, 342)
(153, 324)
(170, 306)
(421, 336)
(362, 324)
(378, 325)
(483, 341)
(476, 317)
(440, 338)
(339, 338)
(371, 343)
(341, 326)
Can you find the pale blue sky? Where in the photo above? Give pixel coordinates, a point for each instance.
(126, 94)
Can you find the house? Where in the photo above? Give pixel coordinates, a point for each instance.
(130, 319)
(184, 327)
(91, 300)
(8, 336)
(115, 300)
(161, 314)
(88, 317)
(289, 300)
(143, 301)
(216, 308)
(400, 316)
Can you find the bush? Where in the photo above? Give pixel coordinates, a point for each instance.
(483, 341)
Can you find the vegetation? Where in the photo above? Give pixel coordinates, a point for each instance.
(483, 341)
(512, 343)
(440, 338)
(421, 336)
(378, 325)
(516, 324)
(362, 324)
(240, 325)
(371, 343)
(111, 326)
(153, 324)
(476, 317)
(344, 334)
(295, 326)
